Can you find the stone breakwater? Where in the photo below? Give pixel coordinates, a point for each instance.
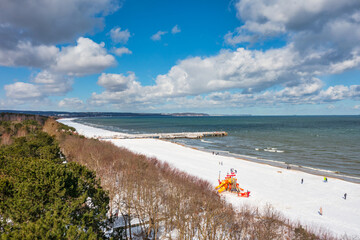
(192, 135)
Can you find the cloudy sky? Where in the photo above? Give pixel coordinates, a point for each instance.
(264, 57)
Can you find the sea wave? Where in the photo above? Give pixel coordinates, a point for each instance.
(270, 149)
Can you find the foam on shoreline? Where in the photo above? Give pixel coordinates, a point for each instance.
(268, 184)
(281, 164)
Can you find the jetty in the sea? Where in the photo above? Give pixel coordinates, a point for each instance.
(193, 135)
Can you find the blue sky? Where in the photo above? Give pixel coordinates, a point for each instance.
(215, 56)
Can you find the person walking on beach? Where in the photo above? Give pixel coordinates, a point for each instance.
(345, 196)
(302, 181)
(320, 211)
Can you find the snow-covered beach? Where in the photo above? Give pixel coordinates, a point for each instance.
(282, 188)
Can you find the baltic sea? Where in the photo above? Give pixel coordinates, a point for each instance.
(323, 144)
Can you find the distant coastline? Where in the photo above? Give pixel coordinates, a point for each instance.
(103, 114)
(65, 114)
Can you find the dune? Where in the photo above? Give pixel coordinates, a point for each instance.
(279, 187)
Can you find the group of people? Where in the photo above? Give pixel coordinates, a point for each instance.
(325, 180)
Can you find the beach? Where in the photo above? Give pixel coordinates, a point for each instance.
(279, 187)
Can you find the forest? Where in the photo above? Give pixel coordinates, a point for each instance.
(41, 196)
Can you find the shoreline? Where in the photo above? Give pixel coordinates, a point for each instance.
(279, 187)
(283, 165)
(269, 162)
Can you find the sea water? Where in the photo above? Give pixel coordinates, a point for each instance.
(329, 144)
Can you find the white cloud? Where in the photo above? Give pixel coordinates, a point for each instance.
(59, 66)
(53, 84)
(289, 74)
(175, 29)
(24, 54)
(350, 63)
(269, 98)
(323, 26)
(44, 84)
(71, 103)
(157, 36)
(321, 37)
(51, 22)
(252, 74)
(355, 91)
(121, 51)
(119, 36)
(87, 57)
(278, 16)
(46, 77)
(22, 91)
(29, 31)
(335, 93)
(239, 36)
(140, 99)
(308, 88)
(116, 82)
(245, 69)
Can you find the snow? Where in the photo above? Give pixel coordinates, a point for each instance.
(279, 187)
